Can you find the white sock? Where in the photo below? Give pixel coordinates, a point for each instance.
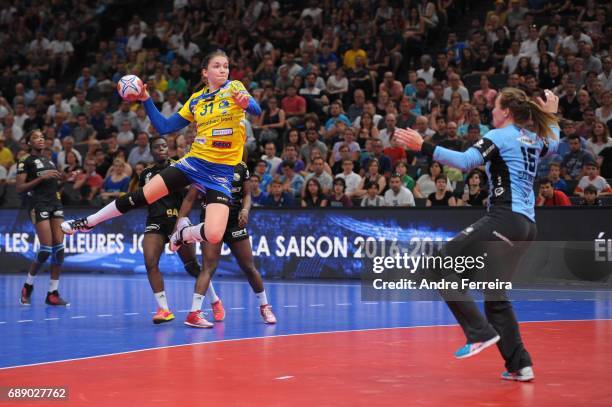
(262, 298)
(162, 300)
(30, 279)
(192, 234)
(108, 212)
(53, 285)
(196, 304)
(212, 295)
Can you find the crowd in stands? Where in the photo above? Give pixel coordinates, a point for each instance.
(334, 79)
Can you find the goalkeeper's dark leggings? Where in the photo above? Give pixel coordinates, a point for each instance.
(505, 236)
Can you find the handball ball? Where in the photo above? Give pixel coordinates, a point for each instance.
(129, 87)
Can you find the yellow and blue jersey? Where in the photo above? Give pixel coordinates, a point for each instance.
(220, 134)
(220, 122)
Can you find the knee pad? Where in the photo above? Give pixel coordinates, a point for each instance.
(43, 254)
(131, 200)
(193, 268)
(58, 254)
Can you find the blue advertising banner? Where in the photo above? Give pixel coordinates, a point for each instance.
(292, 243)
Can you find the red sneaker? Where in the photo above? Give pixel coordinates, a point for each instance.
(267, 314)
(162, 315)
(196, 319)
(218, 311)
(54, 298)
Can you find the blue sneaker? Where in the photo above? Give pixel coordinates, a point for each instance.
(523, 375)
(471, 349)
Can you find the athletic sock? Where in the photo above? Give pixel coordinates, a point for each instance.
(108, 212)
(262, 298)
(196, 304)
(212, 295)
(162, 300)
(193, 233)
(53, 285)
(30, 279)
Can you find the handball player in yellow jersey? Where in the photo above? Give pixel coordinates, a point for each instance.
(219, 113)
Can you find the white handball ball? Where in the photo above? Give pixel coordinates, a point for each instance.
(129, 87)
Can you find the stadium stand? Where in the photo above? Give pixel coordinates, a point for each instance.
(365, 65)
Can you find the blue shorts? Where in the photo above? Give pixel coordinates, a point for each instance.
(206, 175)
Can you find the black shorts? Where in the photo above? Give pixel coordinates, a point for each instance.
(234, 233)
(45, 211)
(160, 226)
(214, 196)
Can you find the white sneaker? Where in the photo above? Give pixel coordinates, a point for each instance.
(267, 314)
(176, 240)
(523, 375)
(196, 319)
(75, 225)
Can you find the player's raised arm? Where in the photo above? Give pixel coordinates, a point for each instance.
(551, 106)
(163, 125)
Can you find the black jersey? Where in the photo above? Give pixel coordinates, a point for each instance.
(241, 175)
(168, 206)
(47, 190)
(478, 199)
(440, 202)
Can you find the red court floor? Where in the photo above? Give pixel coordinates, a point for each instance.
(380, 367)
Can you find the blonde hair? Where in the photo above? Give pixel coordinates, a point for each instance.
(525, 111)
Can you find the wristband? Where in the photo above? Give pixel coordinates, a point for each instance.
(428, 149)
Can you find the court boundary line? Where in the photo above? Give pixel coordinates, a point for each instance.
(276, 336)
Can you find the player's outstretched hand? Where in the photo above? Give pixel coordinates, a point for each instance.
(552, 102)
(409, 138)
(144, 94)
(241, 99)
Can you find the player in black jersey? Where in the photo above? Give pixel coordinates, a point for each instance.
(161, 218)
(37, 178)
(236, 237)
